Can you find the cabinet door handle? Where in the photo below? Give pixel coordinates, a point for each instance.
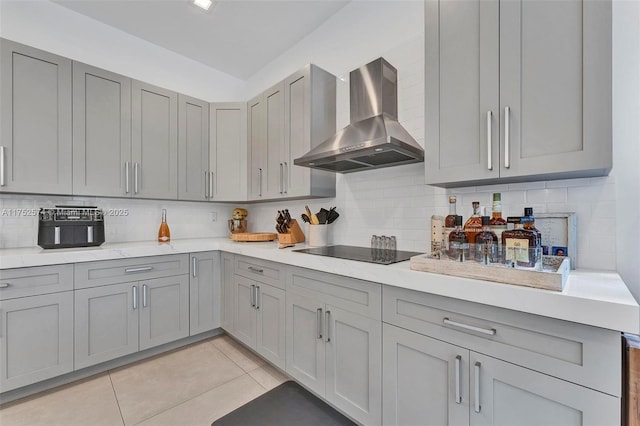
(253, 295)
(507, 129)
(211, 182)
(328, 324)
(319, 323)
(206, 184)
(2, 181)
(136, 177)
(194, 264)
(488, 331)
(134, 295)
(255, 270)
(5, 285)
(257, 297)
(144, 295)
(285, 178)
(126, 177)
(141, 269)
(458, 395)
(281, 183)
(260, 186)
(476, 406)
(489, 142)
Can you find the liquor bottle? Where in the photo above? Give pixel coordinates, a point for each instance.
(486, 245)
(164, 235)
(497, 223)
(473, 225)
(520, 246)
(450, 221)
(458, 242)
(528, 212)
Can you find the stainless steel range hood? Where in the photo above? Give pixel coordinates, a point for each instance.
(374, 139)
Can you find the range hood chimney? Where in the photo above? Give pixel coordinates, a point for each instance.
(374, 139)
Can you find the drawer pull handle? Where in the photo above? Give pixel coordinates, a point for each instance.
(489, 332)
(4, 285)
(458, 395)
(477, 407)
(141, 269)
(256, 270)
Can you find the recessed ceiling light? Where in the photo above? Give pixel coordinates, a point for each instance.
(204, 4)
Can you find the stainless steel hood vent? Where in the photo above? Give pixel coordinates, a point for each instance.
(374, 139)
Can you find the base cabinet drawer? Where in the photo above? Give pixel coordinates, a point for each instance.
(22, 282)
(36, 341)
(428, 381)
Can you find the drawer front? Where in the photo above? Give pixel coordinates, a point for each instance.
(21, 282)
(357, 296)
(93, 274)
(260, 270)
(582, 354)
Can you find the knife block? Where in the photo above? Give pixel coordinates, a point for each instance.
(294, 234)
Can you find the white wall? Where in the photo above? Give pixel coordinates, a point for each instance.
(51, 27)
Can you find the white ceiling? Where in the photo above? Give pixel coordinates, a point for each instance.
(237, 37)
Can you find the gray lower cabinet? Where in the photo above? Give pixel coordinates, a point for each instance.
(101, 132)
(334, 340)
(193, 149)
(260, 318)
(36, 332)
(517, 90)
(35, 120)
(228, 291)
(154, 141)
(204, 292)
(448, 361)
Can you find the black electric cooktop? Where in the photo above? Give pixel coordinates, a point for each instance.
(362, 254)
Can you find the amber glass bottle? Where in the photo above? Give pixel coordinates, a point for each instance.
(531, 226)
(458, 242)
(473, 225)
(520, 246)
(164, 235)
(497, 223)
(450, 221)
(486, 245)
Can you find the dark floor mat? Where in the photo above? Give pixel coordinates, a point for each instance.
(287, 405)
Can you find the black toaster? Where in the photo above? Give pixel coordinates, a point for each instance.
(70, 226)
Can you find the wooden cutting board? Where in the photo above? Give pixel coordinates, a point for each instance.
(254, 236)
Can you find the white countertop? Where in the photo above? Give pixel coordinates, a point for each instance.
(598, 298)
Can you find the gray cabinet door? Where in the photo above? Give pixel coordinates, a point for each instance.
(461, 90)
(204, 292)
(228, 292)
(164, 310)
(244, 310)
(305, 344)
(273, 178)
(106, 323)
(506, 394)
(193, 148)
(101, 132)
(297, 137)
(154, 140)
(555, 77)
(35, 120)
(354, 364)
(256, 147)
(419, 382)
(270, 325)
(228, 151)
(37, 339)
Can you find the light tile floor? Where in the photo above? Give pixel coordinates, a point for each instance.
(194, 385)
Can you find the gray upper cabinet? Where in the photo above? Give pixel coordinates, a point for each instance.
(228, 151)
(193, 149)
(310, 119)
(517, 90)
(255, 141)
(154, 141)
(101, 132)
(273, 177)
(35, 120)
